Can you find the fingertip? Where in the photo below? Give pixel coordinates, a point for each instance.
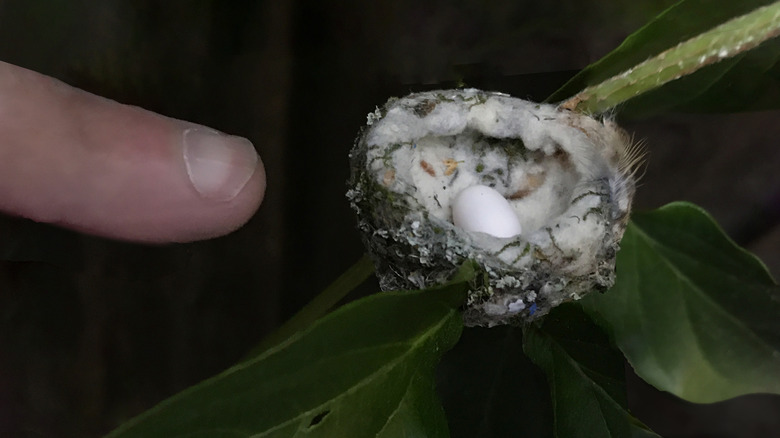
(210, 185)
(214, 216)
(218, 166)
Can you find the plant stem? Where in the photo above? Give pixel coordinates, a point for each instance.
(320, 305)
(731, 38)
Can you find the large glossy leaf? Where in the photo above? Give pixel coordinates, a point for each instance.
(419, 414)
(586, 376)
(695, 314)
(365, 370)
(750, 80)
(490, 389)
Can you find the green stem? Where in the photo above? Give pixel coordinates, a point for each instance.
(724, 41)
(320, 305)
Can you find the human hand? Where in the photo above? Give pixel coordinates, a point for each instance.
(71, 158)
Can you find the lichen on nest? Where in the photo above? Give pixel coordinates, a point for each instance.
(567, 177)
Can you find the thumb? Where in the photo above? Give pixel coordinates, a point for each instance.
(71, 158)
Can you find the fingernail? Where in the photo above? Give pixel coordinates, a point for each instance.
(219, 166)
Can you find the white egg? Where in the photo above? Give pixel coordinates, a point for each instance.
(481, 208)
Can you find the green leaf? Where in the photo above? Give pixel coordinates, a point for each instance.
(586, 376)
(695, 314)
(682, 40)
(365, 370)
(419, 414)
(490, 389)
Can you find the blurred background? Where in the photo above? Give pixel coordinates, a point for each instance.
(94, 331)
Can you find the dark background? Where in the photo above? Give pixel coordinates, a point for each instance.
(94, 331)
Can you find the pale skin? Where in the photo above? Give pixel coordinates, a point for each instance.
(77, 160)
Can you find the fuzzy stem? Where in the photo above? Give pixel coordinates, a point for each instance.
(731, 38)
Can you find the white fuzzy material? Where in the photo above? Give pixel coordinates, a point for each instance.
(436, 157)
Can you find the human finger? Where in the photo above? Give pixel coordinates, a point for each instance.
(75, 159)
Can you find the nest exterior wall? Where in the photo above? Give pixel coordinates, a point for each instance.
(412, 239)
